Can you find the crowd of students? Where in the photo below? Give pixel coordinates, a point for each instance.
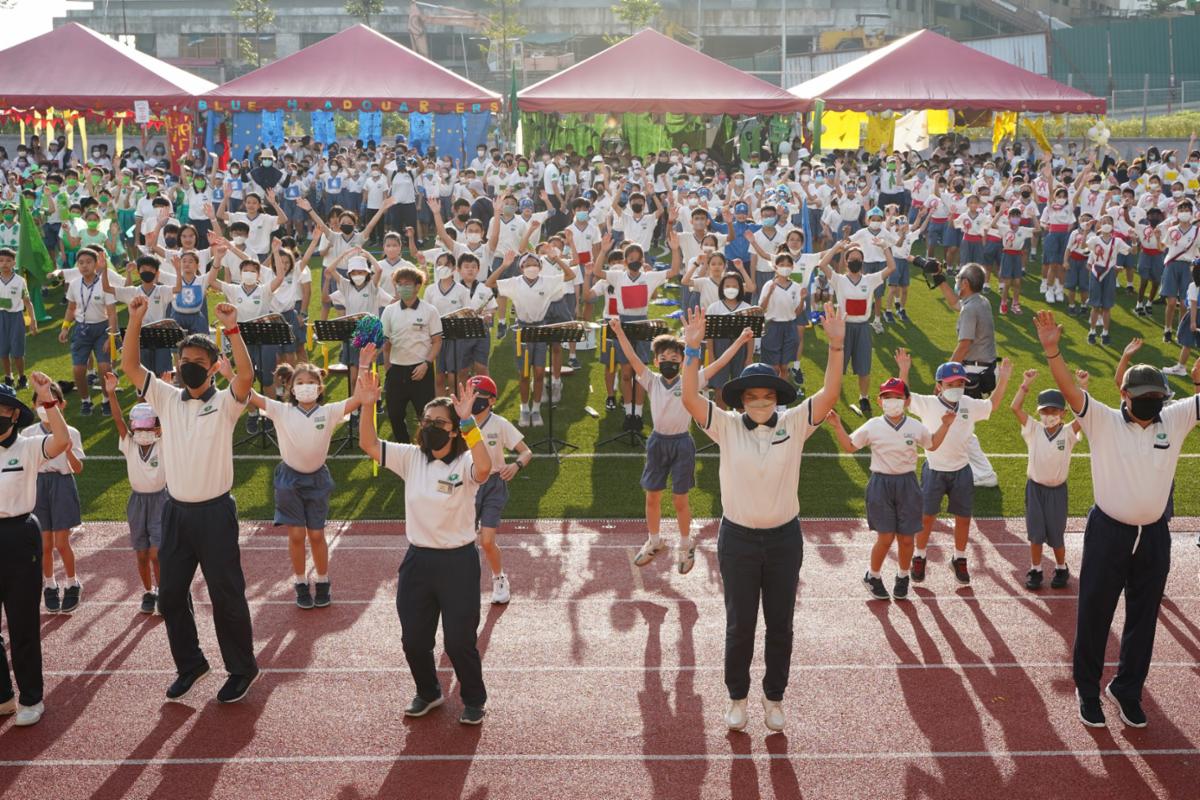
(414, 237)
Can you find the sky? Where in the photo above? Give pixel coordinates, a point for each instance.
(31, 18)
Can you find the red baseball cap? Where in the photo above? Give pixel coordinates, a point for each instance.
(894, 386)
(483, 385)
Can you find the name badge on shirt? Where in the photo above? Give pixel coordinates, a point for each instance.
(448, 485)
(292, 193)
(218, 195)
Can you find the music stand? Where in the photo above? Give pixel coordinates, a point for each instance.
(459, 326)
(271, 329)
(729, 327)
(162, 335)
(552, 335)
(637, 331)
(340, 329)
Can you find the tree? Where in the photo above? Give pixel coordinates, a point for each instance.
(256, 16)
(503, 29)
(363, 9)
(637, 14)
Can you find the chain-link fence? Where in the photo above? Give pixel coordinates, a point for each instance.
(1154, 101)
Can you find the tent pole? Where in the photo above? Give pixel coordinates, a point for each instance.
(782, 44)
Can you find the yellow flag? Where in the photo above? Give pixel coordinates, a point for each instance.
(69, 127)
(881, 129)
(83, 145)
(1037, 128)
(120, 144)
(842, 130)
(938, 122)
(1004, 124)
(22, 123)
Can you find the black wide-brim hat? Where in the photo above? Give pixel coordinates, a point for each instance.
(8, 399)
(757, 376)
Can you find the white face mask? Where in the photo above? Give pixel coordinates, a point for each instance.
(783, 272)
(358, 279)
(144, 438)
(473, 239)
(1106, 228)
(238, 241)
(892, 406)
(306, 392)
(874, 227)
(952, 395)
(1184, 216)
(759, 405)
(249, 280)
(1051, 420)
(442, 273)
(43, 415)
(731, 293)
(531, 272)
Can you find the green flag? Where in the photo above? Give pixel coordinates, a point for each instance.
(818, 110)
(33, 259)
(512, 105)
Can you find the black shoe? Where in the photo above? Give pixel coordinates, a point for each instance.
(419, 706)
(797, 376)
(1090, 712)
(71, 596)
(92, 379)
(303, 596)
(236, 687)
(918, 569)
(960, 570)
(627, 425)
(1033, 579)
(610, 404)
(51, 597)
(903, 314)
(22, 382)
(900, 588)
(1091, 337)
(149, 602)
(1129, 288)
(637, 424)
(9, 380)
(323, 598)
(85, 408)
(875, 587)
(252, 424)
(889, 318)
(501, 331)
(1061, 574)
(472, 715)
(184, 683)
(1105, 338)
(1130, 710)
(1168, 336)
(573, 362)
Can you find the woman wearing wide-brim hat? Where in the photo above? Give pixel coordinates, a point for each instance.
(21, 542)
(759, 545)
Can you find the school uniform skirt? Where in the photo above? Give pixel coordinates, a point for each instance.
(1054, 247)
(902, 275)
(1184, 335)
(733, 368)
(57, 506)
(641, 347)
(302, 498)
(1102, 292)
(1077, 273)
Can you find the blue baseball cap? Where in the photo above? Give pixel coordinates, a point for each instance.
(951, 371)
(704, 192)
(875, 212)
(525, 203)
(741, 208)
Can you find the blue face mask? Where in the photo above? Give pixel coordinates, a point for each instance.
(581, 216)
(768, 221)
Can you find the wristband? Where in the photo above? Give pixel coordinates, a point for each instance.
(232, 331)
(692, 352)
(49, 404)
(466, 425)
(519, 465)
(1056, 355)
(472, 437)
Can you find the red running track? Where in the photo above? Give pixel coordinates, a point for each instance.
(605, 682)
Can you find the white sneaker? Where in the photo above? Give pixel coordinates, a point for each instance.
(523, 420)
(877, 325)
(648, 552)
(735, 717)
(555, 391)
(1175, 369)
(535, 418)
(685, 555)
(8, 707)
(1044, 287)
(500, 591)
(773, 714)
(1058, 293)
(29, 715)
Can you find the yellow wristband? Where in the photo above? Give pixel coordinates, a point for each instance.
(473, 437)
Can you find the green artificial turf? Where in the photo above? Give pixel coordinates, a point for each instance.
(607, 485)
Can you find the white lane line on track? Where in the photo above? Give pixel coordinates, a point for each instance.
(655, 598)
(623, 758)
(570, 456)
(547, 668)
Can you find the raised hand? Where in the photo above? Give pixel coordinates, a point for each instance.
(834, 325)
(1028, 377)
(693, 329)
(41, 387)
(1082, 378)
(903, 359)
(366, 356)
(367, 389)
(137, 307)
(224, 368)
(110, 383)
(226, 315)
(1048, 330)
(463, 400)
(746, 335)
(1134, 345)
(1004, 371)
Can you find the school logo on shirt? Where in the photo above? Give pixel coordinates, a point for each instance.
(154, 462)
(908, 442)
(320, 426)
(1061, 445)
(12, 461)
(780, 433)
(678, 393)
(208, 409)
(453, 478)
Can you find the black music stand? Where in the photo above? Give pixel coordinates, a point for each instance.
(256, 334)
(454, 330)
(730, 326)
(637, 331)
(162, 335)
(341, 330)
(551, 335)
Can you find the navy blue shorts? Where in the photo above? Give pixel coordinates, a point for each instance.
(902, 275)
(1184, 335)
(1102, 293)
(1054, 248)
(780, 343)
(732, 369)
(1010, 267)
(535, 353)
(88, 339)
(970, 252)
(1045, 513)
(302, 499)
(958, 486)
(57, 506)
(894, 503)
(469, 352)
(642, 348)
(145, 513)
(1077, 274)
(857, 354)
(490, 501)
(935, 234)
(991, 253)
(1177, 276)
(673, 456)
(1151, 266)
(12, 334)
(191, 322)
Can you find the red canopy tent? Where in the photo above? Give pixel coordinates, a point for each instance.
(927, 71)
(74, 67)
(356, 70)
(653, 74)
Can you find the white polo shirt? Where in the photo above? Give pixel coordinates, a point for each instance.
(249, 305)
(91, 301)
(770, 244)
(634, 292)
(893, 446)
(639, 229)
(855, 298)
(666, 402)
(951, 456)
(530, 301)
(499, 436)
(447, 301)
(1049, 456)
(304, 435)
(784, 301)
(158, 300)
(261, 228)
(13, 294)
(59, 463)
(19, 465)
(145, 470)
(291, 289)
(1133, 467)
(366, 300)
(480, 297)
(411, 331)
(439, 498)
(760, 468)
(197, 438)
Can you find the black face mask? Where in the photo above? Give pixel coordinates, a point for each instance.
(854, 266)
(1145, 408)
(462, 217)
(669, 369)
(637, 207)
(192, 374)
(171, 241)
(6, 424)
(147, 276)
(633, 266)
(347, 228)
(480, 405)
(434, 438)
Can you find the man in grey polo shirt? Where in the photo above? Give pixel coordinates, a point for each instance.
(976, 351)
